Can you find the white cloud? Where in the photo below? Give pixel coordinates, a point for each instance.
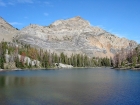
(46, 14)
(2, 3)
(15, 23)
(24, 1)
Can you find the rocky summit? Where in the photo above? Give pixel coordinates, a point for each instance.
(71, 36)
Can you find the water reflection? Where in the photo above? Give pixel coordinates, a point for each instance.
(6, 81)
(2, 81)
(70, 87)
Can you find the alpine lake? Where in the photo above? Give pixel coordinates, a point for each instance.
(85, 86)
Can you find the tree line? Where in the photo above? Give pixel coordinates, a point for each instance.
(127, 58)
(47, 58)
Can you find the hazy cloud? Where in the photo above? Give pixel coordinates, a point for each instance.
(2, 3)
(11, 3)
(138, 41)
(100, 26)
(48, 3)
(136, 38)
(24, 1)
(46, 14)
(119, 35)
(112, 31)
(25, 17)
(15, 23)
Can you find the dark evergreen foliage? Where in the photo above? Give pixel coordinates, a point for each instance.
(47, 58)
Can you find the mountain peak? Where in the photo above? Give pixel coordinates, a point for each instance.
(75, 22)
(77, 18)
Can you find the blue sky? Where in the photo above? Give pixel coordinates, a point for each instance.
(120, 17)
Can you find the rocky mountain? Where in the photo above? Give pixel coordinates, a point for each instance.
(74, 35)
(7, 32)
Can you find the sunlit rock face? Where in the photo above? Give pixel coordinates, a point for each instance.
(7, 32)
(74, 35)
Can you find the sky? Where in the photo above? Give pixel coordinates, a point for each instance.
(119, 17)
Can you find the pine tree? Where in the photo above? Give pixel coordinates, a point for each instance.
(138, 58)
(56, 60)
(85, 61)
(134, 61)
(62, 58)
(17, 62)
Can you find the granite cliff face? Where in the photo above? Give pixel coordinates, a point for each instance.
(74, 35)
(7, 32)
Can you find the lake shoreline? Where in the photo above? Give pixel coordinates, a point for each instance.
(32, 69)
(19, 69)
(126, 68)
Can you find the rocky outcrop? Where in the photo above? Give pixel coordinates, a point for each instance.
(72, 36)
(9, 59)
(10, 65)
(61, 65)
(7, 32)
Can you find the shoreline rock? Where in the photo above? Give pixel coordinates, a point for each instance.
(61, 65)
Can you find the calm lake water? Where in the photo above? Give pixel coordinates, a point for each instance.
(97, 86)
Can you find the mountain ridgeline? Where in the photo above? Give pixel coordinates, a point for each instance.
(71, 36)
(7, 31)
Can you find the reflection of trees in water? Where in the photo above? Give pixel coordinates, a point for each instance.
(15, 87)
(16, 81)
(2, 81)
